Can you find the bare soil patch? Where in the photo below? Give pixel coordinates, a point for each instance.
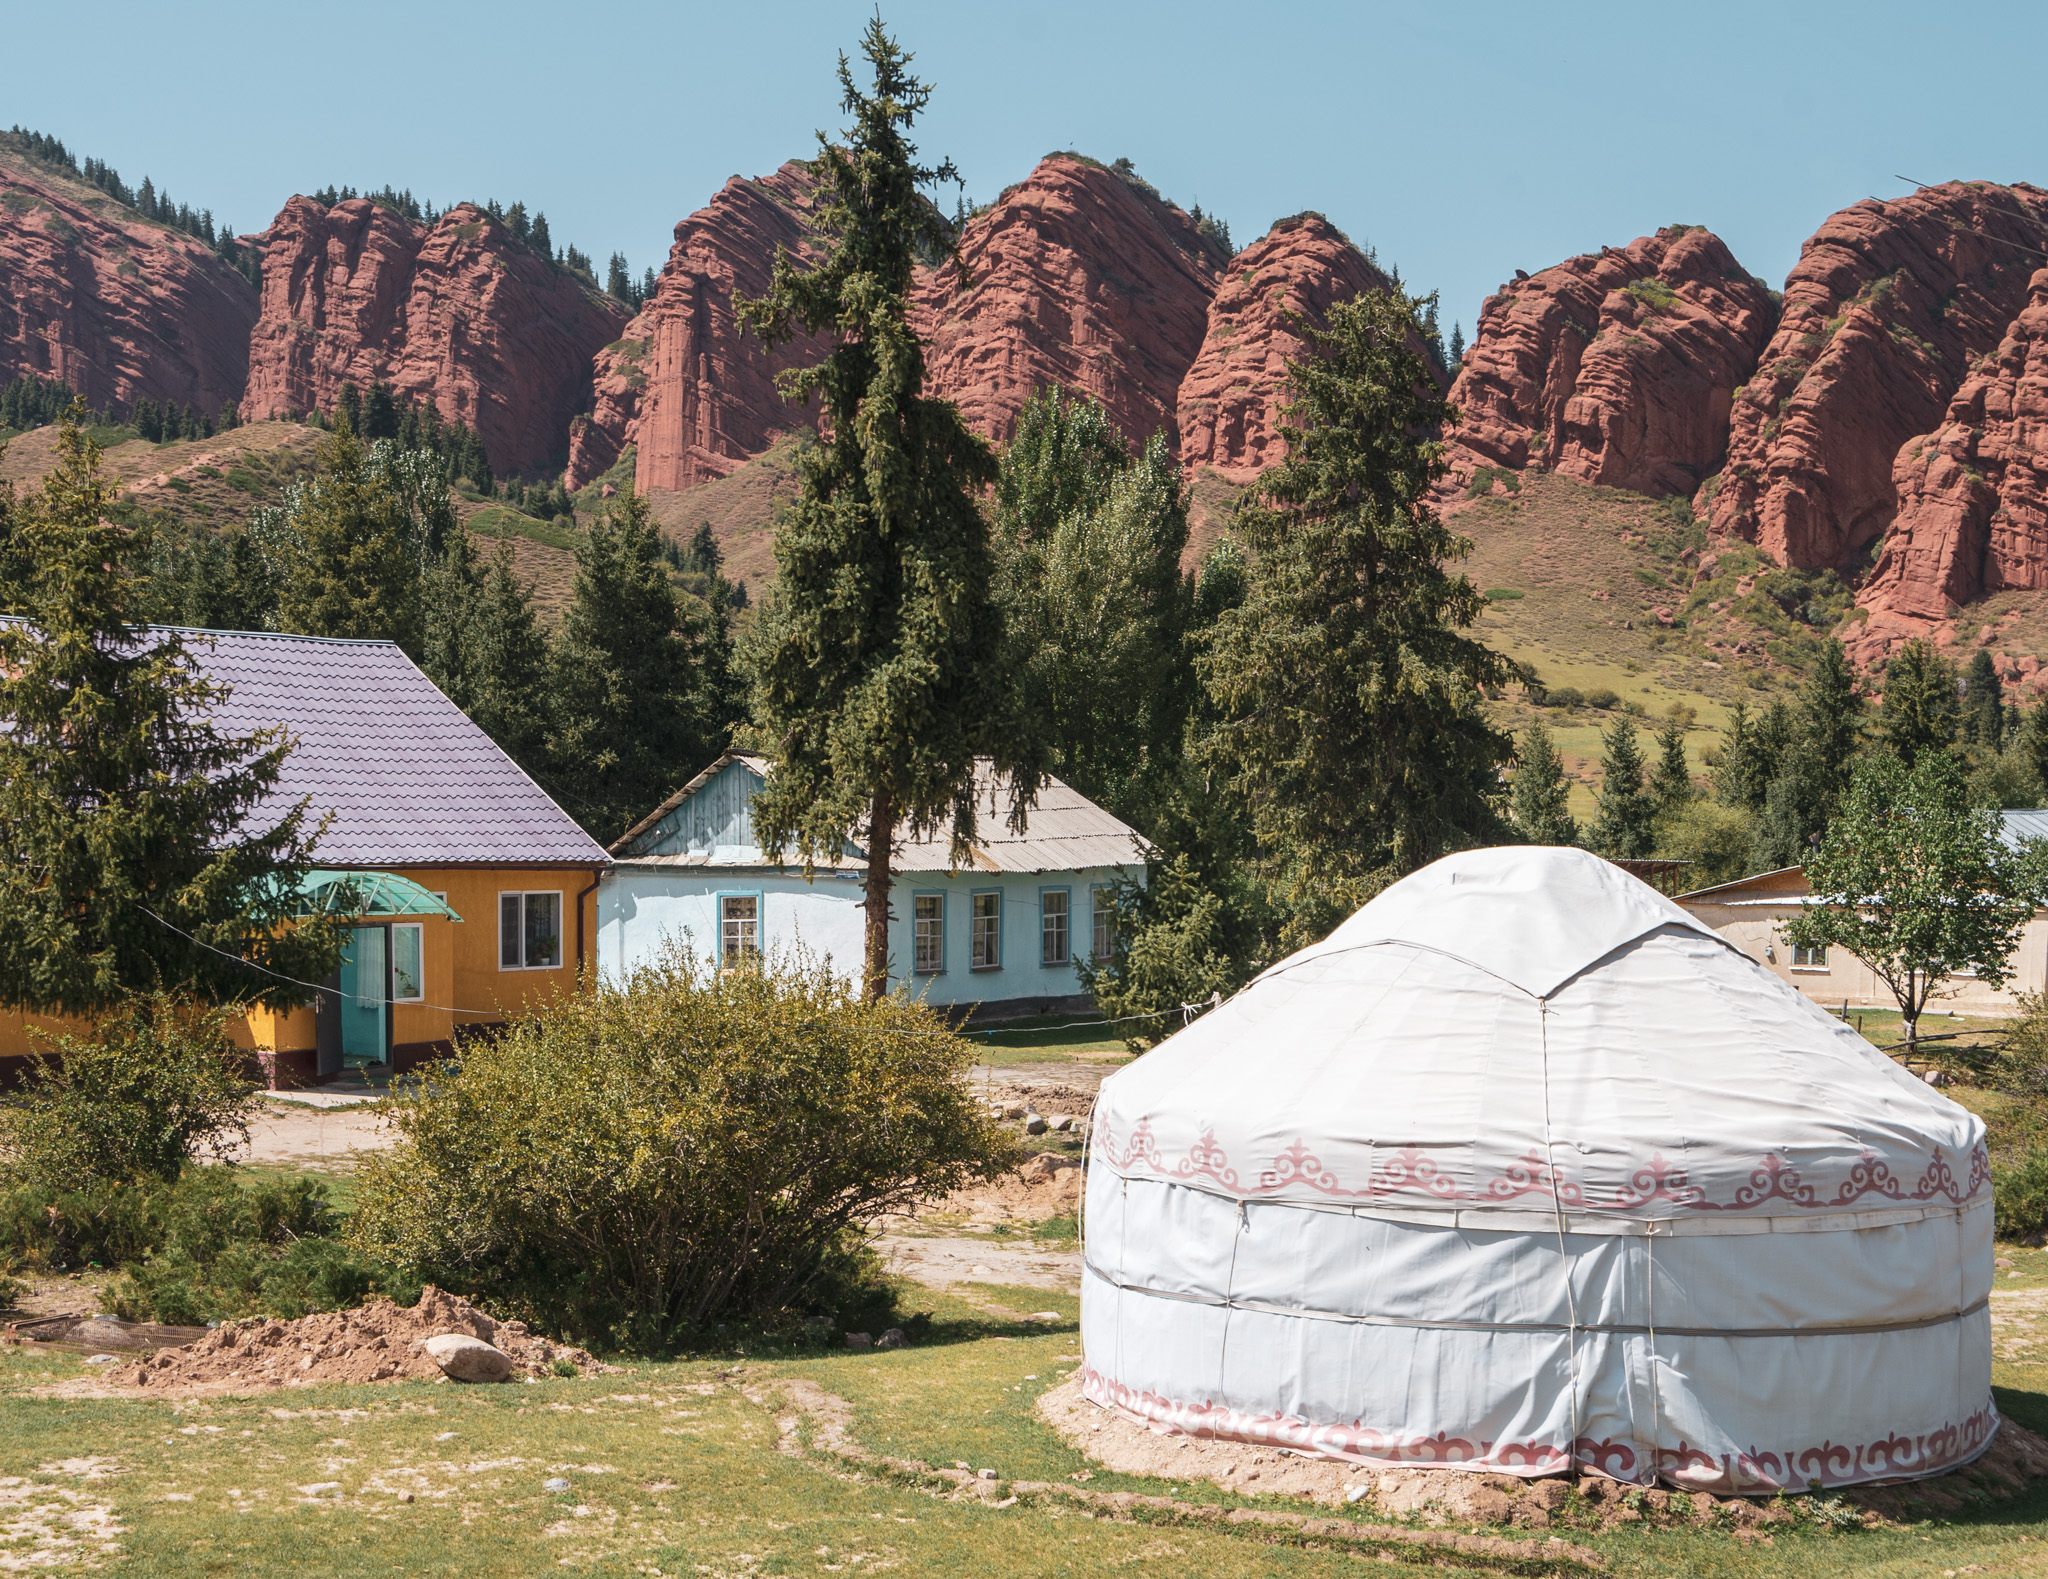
(381, 1342)
(290, 1132)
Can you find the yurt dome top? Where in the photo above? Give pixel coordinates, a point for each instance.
(1522, 1032)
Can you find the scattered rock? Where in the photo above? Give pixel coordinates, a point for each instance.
(985, 1474)
(1034, 1124)
(466, 1359)
(860, 1340)
(892, 1339)
(554, 1483)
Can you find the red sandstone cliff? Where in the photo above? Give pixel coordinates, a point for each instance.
(1228, 406)
(695, 394)
(457, 311)
(1073, 277)
(118, 307)
(1616, 368)
(1973, 494)
(1885, 310)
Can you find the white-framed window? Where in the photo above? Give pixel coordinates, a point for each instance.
(530, 931)
(1810, 958)
(985, 938)
(928, 933)
(1052, 926)
(408, 962)
(1102, 902)
(739, 928)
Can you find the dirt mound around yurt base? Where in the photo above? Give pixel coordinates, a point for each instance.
(2016, 1459)
(380, 1342)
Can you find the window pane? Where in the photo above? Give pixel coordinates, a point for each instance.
(509, 957)
(1105, 923)
(408, 979)
(739, 926)
(988, 921)
(1052, 915)
(543, 930)
(928, 928)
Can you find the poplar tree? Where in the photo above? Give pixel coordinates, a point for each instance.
(124, 863)
(1348, 686)
(1542, 793)
(879, 676)
(1624, 825)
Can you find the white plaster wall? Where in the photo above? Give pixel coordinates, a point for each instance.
(639, 911)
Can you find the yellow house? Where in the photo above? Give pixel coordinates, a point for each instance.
(472, 893)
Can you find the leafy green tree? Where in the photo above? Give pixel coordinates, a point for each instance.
(1625, 822)
(1348, 688)
(1712, 838)
(1542, 793)
(1671, 783)
(1983, 712)
(1917, 885)
(634, 715)
(1918, 712)
(1089, 541)
(1175, 948)
(125, 865)
(879, 677)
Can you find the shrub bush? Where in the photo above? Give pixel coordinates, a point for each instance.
(2019, 1195)
(1565, 696)
(1603, 699)
(632, 1164)
(209, 1246)
(159, 1083)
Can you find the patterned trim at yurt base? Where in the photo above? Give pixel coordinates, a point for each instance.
(1758, 1470)
(1409, 1171)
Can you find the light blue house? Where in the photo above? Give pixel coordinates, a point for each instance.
(1006, 931)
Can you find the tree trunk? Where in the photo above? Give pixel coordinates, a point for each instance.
(881, 842)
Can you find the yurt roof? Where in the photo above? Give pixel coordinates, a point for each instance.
(1528, 1031)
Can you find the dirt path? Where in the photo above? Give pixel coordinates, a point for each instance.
(939, 1262)
(326, 1136)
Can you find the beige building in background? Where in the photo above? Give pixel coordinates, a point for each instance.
(1751, 913)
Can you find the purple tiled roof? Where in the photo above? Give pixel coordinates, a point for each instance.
(409, 779)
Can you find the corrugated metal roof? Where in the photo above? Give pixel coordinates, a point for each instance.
(409, 779)
(2018, 826)
(1064, 831)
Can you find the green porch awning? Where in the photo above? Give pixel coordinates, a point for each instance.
(368, 894)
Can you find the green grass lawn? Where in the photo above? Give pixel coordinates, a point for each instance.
(1049, 1038)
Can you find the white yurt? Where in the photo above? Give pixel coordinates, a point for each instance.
(1521, 1168)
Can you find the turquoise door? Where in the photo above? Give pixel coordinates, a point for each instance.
(366, 996)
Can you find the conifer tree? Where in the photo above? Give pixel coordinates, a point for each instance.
(635, 712)
(1671, 779)
(1754, 752)
(380, 413)
(1624, 826)
(484, 648)
(1457, 346)
(1542, 793)
(879, 677)
(1983, 721)
(1918, 712)
(124, 862)
(348, 408)
(1348, 686)
(354, 568)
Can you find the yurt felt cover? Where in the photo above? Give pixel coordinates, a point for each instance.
(1523, 1166)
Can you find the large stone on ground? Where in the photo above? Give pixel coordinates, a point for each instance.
(466, 1359)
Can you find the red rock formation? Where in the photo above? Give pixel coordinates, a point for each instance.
(118, 307)
(1883, 314)
(457, 312)
(1078, 278)
(1229, 403)
(1615, 368)
(686, 385)
(1972, 495)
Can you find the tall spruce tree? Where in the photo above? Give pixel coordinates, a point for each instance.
(353, 568)
(879, 677)
(124, 863)
(1671, 779)
(1918, 712)
(635, 711)
(1983, 721)
(1348, 686)
(1624, 826)
(1750, 759)
(1814, 768)
(485, 650)
(1542, 793)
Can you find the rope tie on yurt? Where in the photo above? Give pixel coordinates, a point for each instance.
(1230, 1297)
(1650, 1365)
(1571, 1303)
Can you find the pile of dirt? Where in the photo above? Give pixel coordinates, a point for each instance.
(2017, 1457)
(1041, 1187)
(1053, 1099)
(381, 1342)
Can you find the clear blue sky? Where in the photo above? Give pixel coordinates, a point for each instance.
(1463, 140)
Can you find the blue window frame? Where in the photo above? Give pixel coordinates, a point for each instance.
(1055, 926)
(928, 933)
(985, 930)
(739, 927)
